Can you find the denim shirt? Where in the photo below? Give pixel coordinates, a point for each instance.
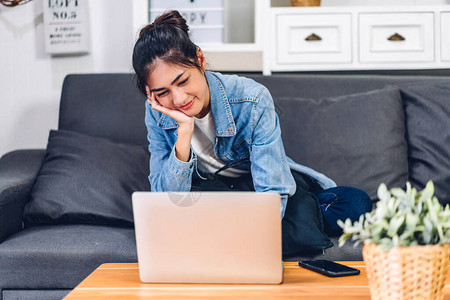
(247, 127)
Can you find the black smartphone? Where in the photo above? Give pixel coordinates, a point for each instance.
(328, 268)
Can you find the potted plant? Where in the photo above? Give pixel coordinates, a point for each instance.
(406, 243)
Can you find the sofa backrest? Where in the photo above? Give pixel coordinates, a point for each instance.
(320, 86)
(110, 106)
(103, 105)
(367, 134)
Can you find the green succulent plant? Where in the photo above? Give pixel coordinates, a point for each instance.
(401, 218)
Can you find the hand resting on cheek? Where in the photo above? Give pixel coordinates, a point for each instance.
(180, 117)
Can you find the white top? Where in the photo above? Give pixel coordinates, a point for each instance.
(203, 145)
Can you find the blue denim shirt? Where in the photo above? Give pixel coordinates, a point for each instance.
(246, 126)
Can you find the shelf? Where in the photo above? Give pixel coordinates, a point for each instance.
(262, 52)
(231, 47)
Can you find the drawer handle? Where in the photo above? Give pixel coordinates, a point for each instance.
(396, 37)
(313, 37)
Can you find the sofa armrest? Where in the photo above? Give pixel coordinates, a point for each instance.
(18, 170)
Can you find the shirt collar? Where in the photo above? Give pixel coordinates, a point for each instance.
(220, 107)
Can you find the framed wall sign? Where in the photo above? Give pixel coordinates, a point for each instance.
(204, 17)
(66, 26)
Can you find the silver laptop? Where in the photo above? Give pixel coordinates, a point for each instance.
(208, 237)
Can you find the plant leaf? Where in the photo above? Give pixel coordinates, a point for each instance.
(383, 193)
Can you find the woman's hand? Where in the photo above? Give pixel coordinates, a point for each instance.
(181, 118)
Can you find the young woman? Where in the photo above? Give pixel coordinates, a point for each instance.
(210, 131)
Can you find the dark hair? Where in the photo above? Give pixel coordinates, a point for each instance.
(167, 39)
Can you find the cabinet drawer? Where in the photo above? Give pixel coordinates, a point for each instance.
(445, 36)
(396, 37)
(313, 38)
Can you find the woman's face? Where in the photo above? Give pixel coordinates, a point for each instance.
(180, 88)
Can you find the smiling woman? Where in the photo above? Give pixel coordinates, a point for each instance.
(209, 131)
(180, 94)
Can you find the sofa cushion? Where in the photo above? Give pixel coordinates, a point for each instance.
(427, 109)
(61, 256)
(358, 140)
(87, 180)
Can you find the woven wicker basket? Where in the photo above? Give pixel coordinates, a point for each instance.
(305, 2)
(417, 272)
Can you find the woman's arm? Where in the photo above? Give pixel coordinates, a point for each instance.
(167, 172)
(269, 166)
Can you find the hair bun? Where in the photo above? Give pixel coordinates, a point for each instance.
(146, 29)
(170, 18)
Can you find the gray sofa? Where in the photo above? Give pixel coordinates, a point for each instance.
(360, 130)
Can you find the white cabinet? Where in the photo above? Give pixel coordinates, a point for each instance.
(311, 38)
(445, 36)
(355, 38)
(396, 37)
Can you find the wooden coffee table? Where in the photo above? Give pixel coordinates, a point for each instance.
(121, 281)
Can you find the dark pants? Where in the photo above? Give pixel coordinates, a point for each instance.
(335, 203)
(342, 202)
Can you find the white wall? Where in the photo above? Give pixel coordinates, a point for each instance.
(31, 80)
(240, 20)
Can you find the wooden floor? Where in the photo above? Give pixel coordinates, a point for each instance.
(121, 281)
